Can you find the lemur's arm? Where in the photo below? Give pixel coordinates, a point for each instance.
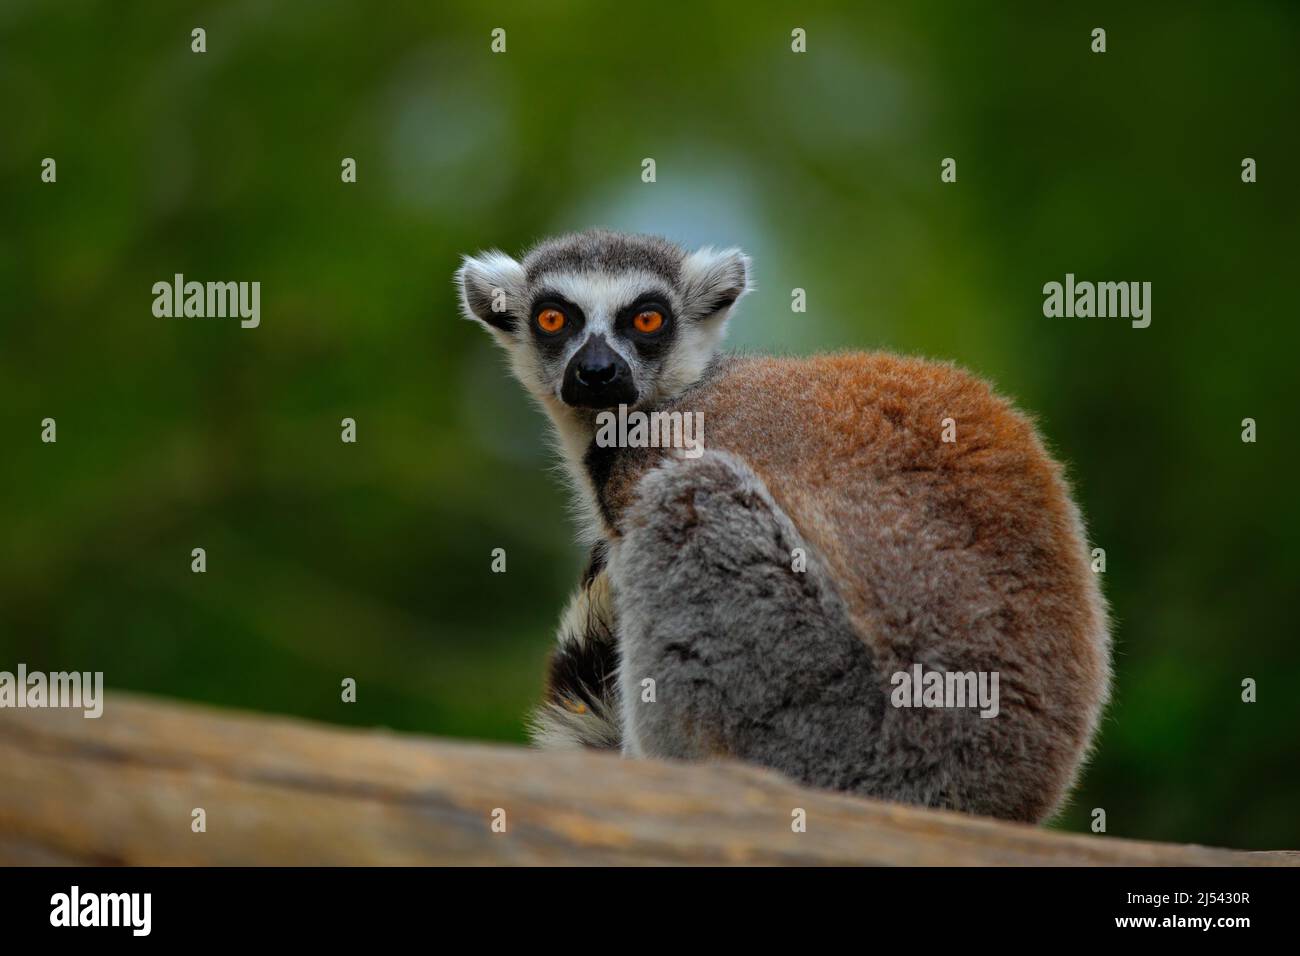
(580, 706)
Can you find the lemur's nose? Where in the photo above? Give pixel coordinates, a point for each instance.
(598, 377)
(597, 363)
(596, 374)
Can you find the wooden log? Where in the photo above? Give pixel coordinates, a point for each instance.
(121, 790)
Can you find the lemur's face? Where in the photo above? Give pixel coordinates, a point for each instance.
(599, 319)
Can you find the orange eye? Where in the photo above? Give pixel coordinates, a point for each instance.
(550, 320)
(649, 321)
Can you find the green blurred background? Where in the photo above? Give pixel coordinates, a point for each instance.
(371, 560)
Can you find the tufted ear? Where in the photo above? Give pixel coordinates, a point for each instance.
(713, 281)
(491, 287)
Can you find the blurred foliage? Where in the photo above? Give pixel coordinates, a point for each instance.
(372, 560)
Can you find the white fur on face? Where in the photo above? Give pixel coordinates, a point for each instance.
(697, 343)
(601, 296)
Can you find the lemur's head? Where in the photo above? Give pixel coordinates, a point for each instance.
(598, 319)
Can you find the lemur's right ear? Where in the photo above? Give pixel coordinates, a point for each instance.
(491, 287)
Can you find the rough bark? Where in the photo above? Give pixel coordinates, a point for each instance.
(121, 790)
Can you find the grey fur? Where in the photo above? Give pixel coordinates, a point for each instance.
(600, 249)
(750, 659)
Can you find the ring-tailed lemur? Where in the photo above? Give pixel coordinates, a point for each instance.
(854, 518)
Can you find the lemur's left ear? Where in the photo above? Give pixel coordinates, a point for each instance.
(491, 285)
(713, 280)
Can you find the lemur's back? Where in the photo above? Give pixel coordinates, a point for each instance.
(960, 555)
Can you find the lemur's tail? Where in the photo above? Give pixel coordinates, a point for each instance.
(580, 708)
